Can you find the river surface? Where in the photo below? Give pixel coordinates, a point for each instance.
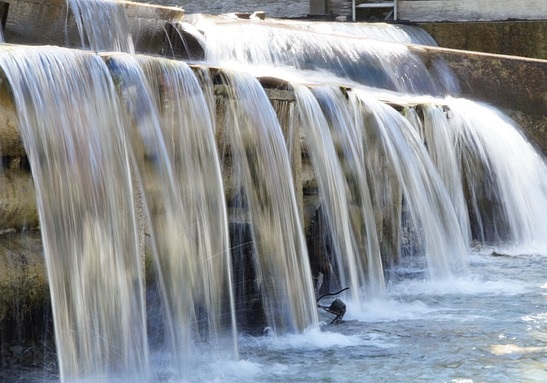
(487, 326)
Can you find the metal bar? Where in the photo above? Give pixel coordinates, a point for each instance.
(385, 4)
(376, 5)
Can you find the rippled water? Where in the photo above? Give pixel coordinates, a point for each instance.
(488, 326)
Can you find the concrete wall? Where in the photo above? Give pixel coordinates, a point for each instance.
(273, 8)
(472, 10)
(514, 38)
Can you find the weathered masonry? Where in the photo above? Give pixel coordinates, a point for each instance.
(433, 10)
(471, 10)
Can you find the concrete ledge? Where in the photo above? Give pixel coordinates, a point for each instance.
(514, 38)
(49, 22)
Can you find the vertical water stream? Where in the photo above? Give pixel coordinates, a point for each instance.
(102, 25)
(505, 177)
(262, 176)
(81, 166)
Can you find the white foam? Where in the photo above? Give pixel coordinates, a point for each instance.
(387, 310)
(313, 339)
(471, 285)
(428, 299)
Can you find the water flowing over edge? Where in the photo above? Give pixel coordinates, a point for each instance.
(522, 225)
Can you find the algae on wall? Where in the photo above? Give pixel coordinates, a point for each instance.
(26, 329)
(23, 282)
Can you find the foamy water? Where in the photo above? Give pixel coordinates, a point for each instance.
(488, 326)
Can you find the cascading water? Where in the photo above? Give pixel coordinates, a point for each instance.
(81, 164)
(102, 25)
(262, 175)
(404, 34)
(165, 142)
(308, 54)
(441, 144)
(505, 177)
(189, 224)
(432, 214)
(433, 222)
(123, 152)
(320, 57)
(347, 244)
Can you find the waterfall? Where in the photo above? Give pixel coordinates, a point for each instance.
(121, 144)
(104, 167)
(189, 226)
(441, 143)
(263, 181)
(171, 209)
(505, 177)
(410, 178)
(84, 186)
(346, 231)
(431, 215)
(258, 47)
(395, 33)
(102, 25)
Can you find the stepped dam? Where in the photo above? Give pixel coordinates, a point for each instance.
(177, 192)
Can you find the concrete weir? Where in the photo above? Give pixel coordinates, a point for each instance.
(49, 22)
(514, 84)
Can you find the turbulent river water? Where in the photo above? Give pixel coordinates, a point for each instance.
(487, 326)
